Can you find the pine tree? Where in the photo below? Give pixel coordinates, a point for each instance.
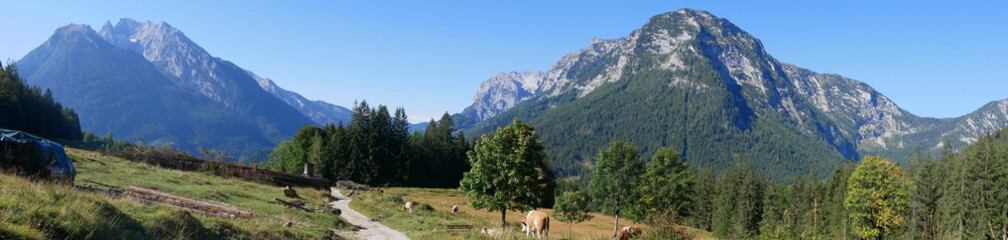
(704, 195)
(923, 198)
(400, 147)
(669, 185)
(833, 212)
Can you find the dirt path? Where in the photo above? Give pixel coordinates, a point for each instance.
(366, 229)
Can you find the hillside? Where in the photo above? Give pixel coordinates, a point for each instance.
(38, 210)
(148, 81)
(320, 112)
(698, 83)
(961, 194)
(100, 81)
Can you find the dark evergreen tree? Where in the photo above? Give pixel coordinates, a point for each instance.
(738, 207)
(668, 184)
(376, 148)
(32, 110)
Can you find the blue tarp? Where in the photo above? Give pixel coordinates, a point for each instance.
(52, 153)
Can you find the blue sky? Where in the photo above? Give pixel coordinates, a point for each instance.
(935, 59)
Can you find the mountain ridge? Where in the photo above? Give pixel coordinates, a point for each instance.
(689, 54)
(319, 111)
(169, 48)
(173, 90)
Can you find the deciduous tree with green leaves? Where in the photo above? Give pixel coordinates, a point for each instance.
(617, 174)
(508, 171)
(572, 207)
(877, 198)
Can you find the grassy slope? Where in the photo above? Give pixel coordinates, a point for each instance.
(430, 224)
(40, 210)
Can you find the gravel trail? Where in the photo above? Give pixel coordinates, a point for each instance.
(367, 229)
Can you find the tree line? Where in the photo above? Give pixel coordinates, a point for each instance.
(510, 173)
(33, 110)
(957, 195)
(376, 148)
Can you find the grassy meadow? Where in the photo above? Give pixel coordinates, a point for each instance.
(432, 214)
(40, 210)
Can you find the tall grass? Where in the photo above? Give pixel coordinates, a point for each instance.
(42, 210)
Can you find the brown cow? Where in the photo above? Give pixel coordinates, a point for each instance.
(408, 207)
(628, 233)
(454, 209)
(537, 222)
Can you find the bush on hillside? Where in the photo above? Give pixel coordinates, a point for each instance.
(665, 227)
(22, 159)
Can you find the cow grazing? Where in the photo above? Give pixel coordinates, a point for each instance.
(454, 209)
(537, 222)
(408, 207)
(628, 233)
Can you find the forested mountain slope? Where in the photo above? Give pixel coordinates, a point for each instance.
(144, 80)
(320, 112)
(117, 90)
(702, 85)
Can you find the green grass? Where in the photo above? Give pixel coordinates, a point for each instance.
(430, 223)
(39, 210)
(430, 215)
(11, 231)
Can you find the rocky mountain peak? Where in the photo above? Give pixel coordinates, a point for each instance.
(74, 32)
(175, 54)
(503, 91)
(609, 60)
(193, 68)
(527, 81)
(137, 36)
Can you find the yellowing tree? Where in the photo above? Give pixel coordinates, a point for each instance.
(877, 198)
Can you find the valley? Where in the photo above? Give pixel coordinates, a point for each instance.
(686, 127)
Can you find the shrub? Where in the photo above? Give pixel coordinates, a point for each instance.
(178, 225)
(665, 227)
(396, 198)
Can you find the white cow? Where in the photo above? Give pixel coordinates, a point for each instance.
(537, 222)
(408, 207)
